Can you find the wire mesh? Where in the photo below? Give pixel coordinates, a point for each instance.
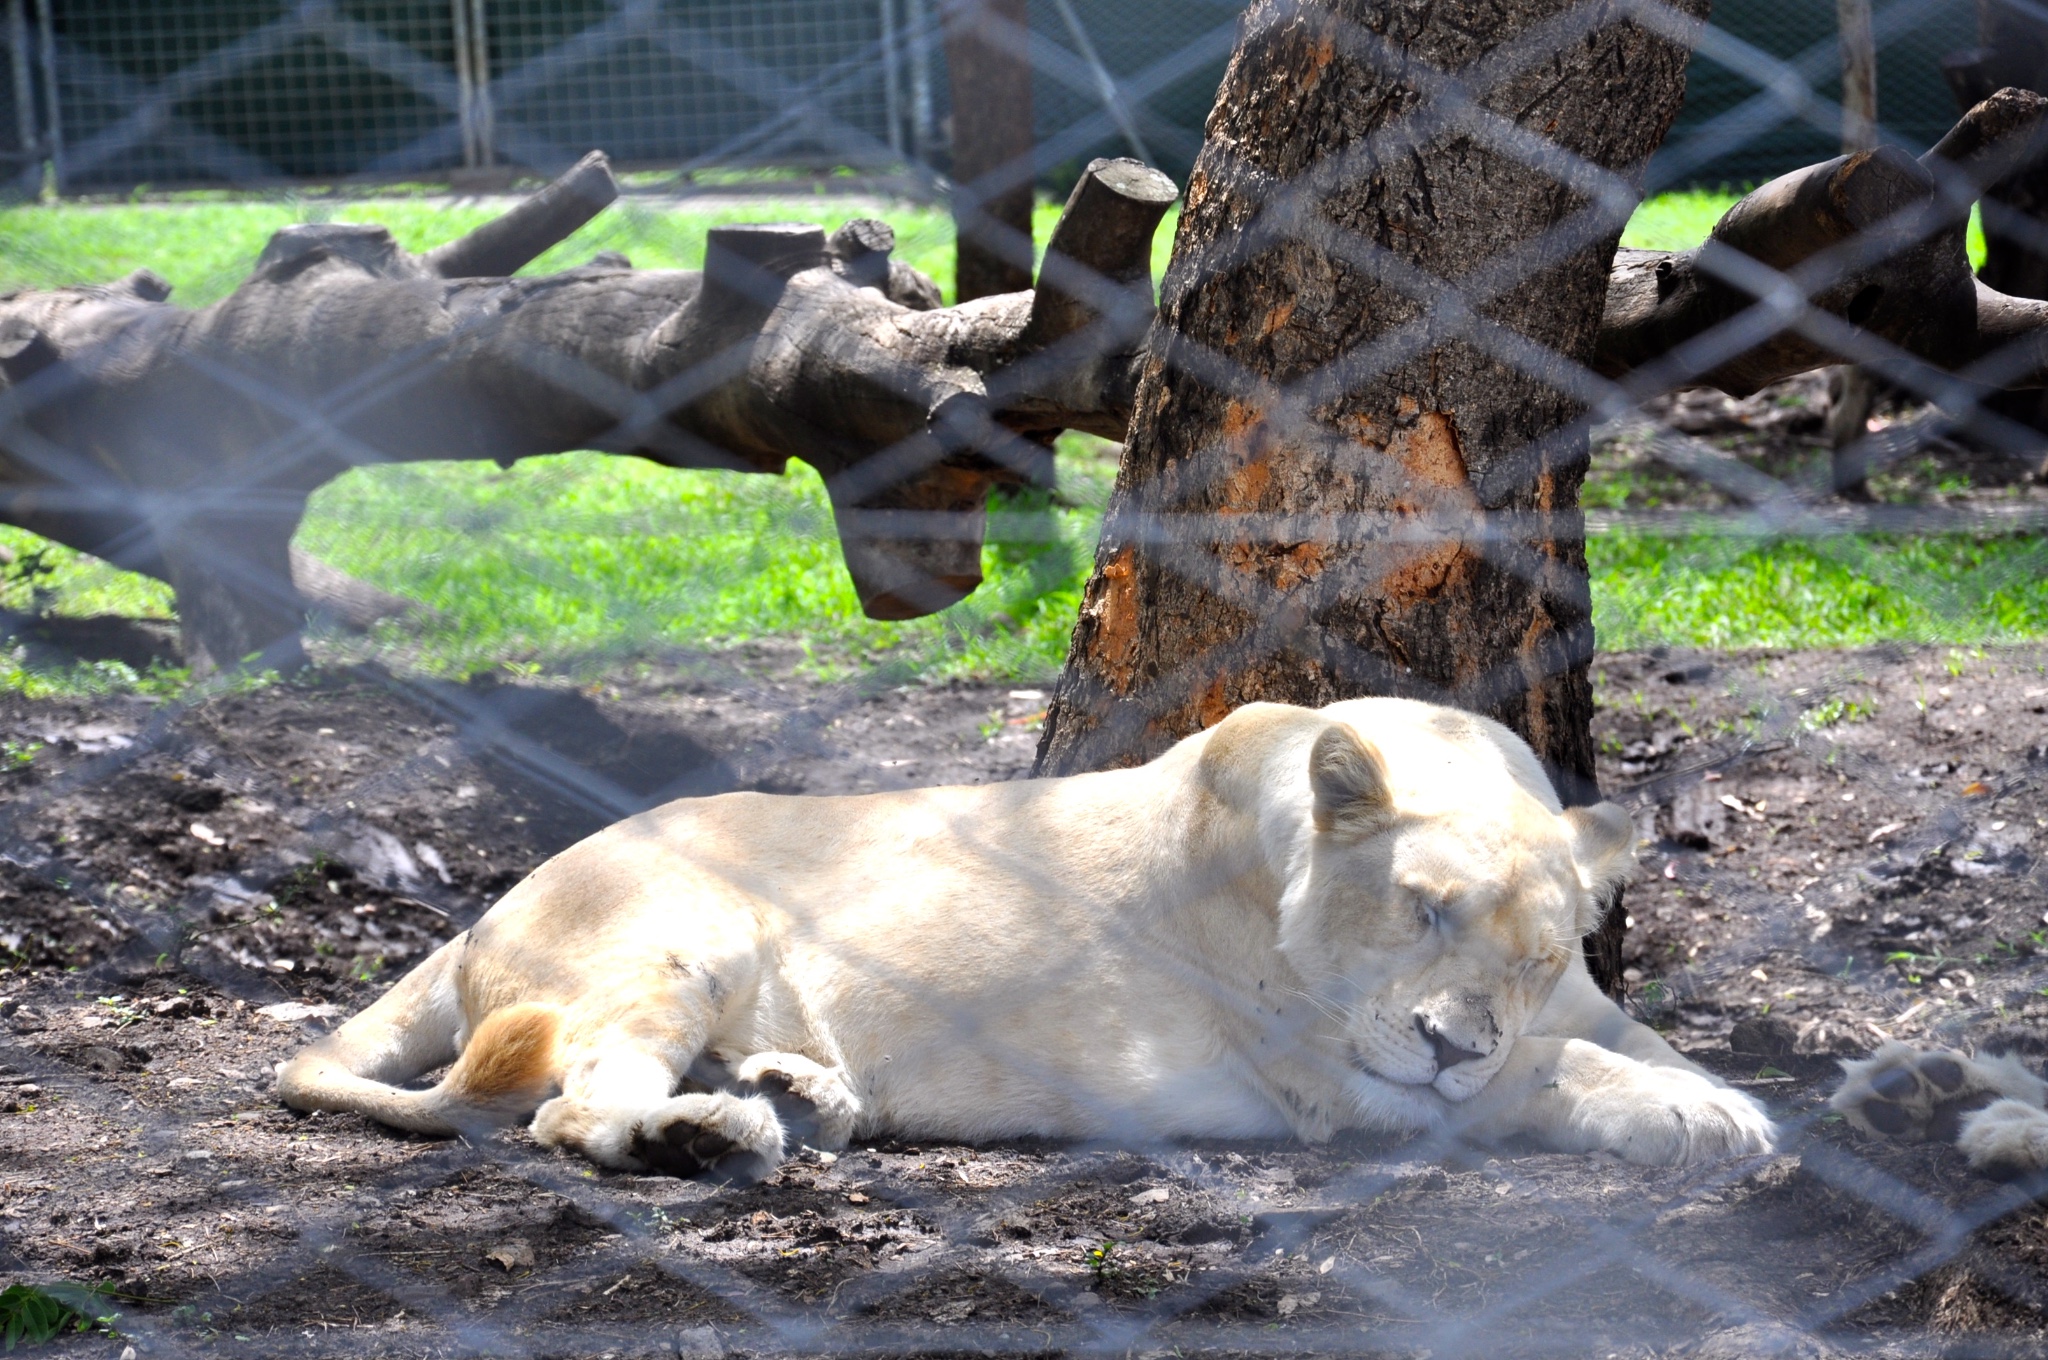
(1739, 126)
(281, 91)
(198, 876)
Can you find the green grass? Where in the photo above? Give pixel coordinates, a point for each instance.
(1676, 221)
(1702, 590)
(580, 559)
(583, 560)
(32, 1314)
(205, 248)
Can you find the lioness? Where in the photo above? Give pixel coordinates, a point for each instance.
(1299, 921)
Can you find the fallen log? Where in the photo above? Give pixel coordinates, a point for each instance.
(184, 443)
(1875, 239)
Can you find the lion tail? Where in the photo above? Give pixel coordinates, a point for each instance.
(500, 1076)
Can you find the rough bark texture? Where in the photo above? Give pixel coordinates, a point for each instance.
(989, 70)
(1328, 491)
(184, 443)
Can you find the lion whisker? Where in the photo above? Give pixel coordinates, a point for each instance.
(1325, 1006)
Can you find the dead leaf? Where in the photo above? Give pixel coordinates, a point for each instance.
(291, 1012)
(515, 1254)
(1157, 1195)
(1291, 1303)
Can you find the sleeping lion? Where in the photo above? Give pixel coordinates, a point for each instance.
(1300, 921)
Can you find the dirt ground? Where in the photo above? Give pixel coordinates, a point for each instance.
(1842, 847)
(1845, 846)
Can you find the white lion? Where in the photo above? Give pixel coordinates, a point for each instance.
(1299, 921)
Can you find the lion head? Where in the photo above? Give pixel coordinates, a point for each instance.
(1440, 893)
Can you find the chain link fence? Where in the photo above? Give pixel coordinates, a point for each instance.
(262, 93)
(268, 93)
(1824, 712)
(1745, 121)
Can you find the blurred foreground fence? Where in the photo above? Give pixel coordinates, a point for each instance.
(110, 94)
(266, 91)
(193, 1197)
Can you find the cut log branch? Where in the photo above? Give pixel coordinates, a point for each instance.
(507, 244)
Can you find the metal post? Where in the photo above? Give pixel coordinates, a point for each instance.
(465, 84)
(473, 83)
(917, 17)
(480, 85)
(24, 84)
(1852, 389)
(1859, 75)
(24, 95)
(892, 98)
(53, 136)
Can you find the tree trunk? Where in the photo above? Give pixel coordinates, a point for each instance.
(990, 73)
(1332, 489)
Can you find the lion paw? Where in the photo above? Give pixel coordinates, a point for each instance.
(681, 1136)
(691, 1135)
(813, 1102)
(1927, 1095)
(1669, 1117)
(2007, 1139)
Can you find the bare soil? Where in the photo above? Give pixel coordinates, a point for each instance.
(1845, 847)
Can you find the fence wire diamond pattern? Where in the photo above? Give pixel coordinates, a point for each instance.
(196, 877)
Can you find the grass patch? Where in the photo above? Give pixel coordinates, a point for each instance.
(1676, 221)
(581, 559)
(37, 575)
(35, 1314)
(205, 248)
(1717, 591)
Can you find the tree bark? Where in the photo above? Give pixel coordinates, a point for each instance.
(989, 69)
(1332, 489)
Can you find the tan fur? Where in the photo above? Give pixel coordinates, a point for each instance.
(1296, 922)
(511, 1057)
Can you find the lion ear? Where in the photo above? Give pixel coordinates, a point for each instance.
(1348, 777)
(1603, 845)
